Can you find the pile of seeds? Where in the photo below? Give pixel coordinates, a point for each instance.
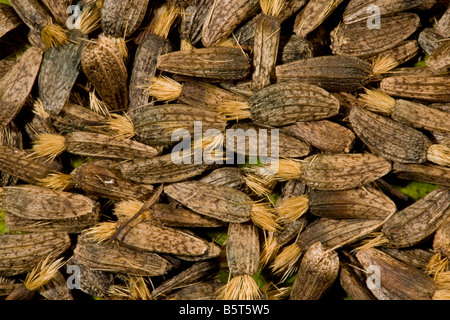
(348, 100)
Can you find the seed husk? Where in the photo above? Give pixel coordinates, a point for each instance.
(295, 48)
(317, 272)
(10, 136)
(358, 40)
(428, 173)
(441, 240)
(364, 203)
(104, 256)
(56, 288)
(227, 176)
(9, 19)
(192, 21)
(223, 63)
(429, 40)
(21, 252)
(439, 61)
(38, 209)
(197, 291)
(398, 280)
(415, 257)
(443, 25)
(325, 135)
(17, 84)
(396, 56)
(418, 221)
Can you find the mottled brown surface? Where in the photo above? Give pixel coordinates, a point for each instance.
(121, 18)
(32, 13)
(9, 19)
(428, 173)
(431, 89)
(243, 248)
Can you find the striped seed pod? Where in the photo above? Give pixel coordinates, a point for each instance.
(333, 73)
(97, 178)
(224, 63)
(295, 48)
(38, 209)
(325, 135)
(223, 17)
(441, 239)
(192, 22)
(428, 173)
(419, 221)
(36, 18)
(9, 19)
(364, 203)
(284, 104)
(429, 40)
(200, 271)
(313, 14)
(17, 84)
(403, 52)
(58, 9)
(222, 203)
(394, 140)
(358, 10)
(358, 40)
(411, 113)
(415, 257)
(439, 61)
(431, 89)
(397, 280)
(21, 252)
(5, 66)
(92, 144)
(112, 258)
(12, 137)
(266, 43)
(201, 290)
(191, 92)
(334, 171)
(103, 65)
(59, 70)
(317, 272)
(332, 234)
(227, 176)
(56, 288)
(443, 25)
(352, 278)
(243, 260)
(151, 46)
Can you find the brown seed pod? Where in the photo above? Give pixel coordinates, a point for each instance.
(192, 21)
(397, 280)
(432, 89)
(333, 73)
(439, 61)
(358, 40)
(357, 10)
(441, 240)
(198, 291)
(56, 288)
(222, 203)
(58, 9)
(9, 19)
(420, 220)
(428, 173)
(103, 65)
(59, 70)
(429, 40)
(325, 135)
(224, 63)
(21, 252)
(415, 257)
(443, 25)
(224, 16)
(17, 84)
(363, 203)
(313, 14)
(243, 260)
(227, 176)
(403, 52)
(295, 48)
(352, 278)
(12, 137)
(317, 272)
(112, 258)
(33, 208)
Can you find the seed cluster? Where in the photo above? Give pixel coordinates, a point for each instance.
(339, 103)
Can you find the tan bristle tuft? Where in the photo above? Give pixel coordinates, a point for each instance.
(378, 101)
(121, 126)
(112, 42)
(260, 185)
(102, 232)
(42, 273)
(163, 19)
(383, 64)
(262, 215)
(53, 36)
(278, 293)
(128, 208)
(98, 106)
(437, 265)
(443, 280)
(288, 169)
(269, 250)
(228, 42)
(441, 295)
(138, 288)
(90, 20)
(58, 181)
(286, 263)
(39, 110)
(292, 208)
(49, 145)
(163, 88)
(241, 287)
(439, 154)
(271, 7)
(379, 239)
(235, 110)
(186, 45)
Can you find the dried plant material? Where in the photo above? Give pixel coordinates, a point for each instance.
(415, 257)
(352, 278)
(101, 232)
(439, 61)
(325, 135)
(223, 18)
(397, 281)
(443, 25)
(163, 88)
(427, 173)
(192, 19)
(42, 273)
(163, 19)
(109, 80)
(439, 154)
(441, 243)
(90, 19)
(392, 58)
(223, 63)
(227, 176)
(432, 89)
(17, 84)
(20, 253)
(293, 208)
(365, 203)
(437, 265)
(420, 220)
(57, 181)
(333, 73)
(313, 14)
(317, 272)
(10, 20)
(10, 136)
(296, 48)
